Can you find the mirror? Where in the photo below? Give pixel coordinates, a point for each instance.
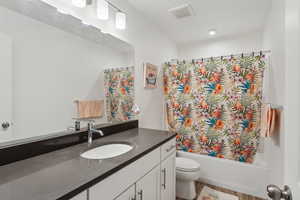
(48, 60)
(54, 53)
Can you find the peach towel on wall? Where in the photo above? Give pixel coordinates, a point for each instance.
(90, 109)
(269, 120)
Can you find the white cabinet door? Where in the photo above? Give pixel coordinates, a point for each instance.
(168, 178)
(129, 194)
(5, 87)
(81, 196)
(148, 187)
(114, 185)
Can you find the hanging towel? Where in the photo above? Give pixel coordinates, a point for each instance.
(90, 109)
(265, 108)
(269, 120)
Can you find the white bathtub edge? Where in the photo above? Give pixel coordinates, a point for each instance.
(240, 177)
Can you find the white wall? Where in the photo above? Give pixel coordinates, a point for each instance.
(275, 82)
(222, 46)
(291, 136)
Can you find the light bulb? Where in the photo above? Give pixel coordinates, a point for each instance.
(212, 32)
(120, 20)
(102, 9)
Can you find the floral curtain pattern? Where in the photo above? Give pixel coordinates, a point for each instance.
(119, 92)
(214, 105)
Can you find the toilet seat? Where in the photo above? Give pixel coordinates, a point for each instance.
(187, 165)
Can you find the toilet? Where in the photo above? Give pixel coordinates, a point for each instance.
(187, 172)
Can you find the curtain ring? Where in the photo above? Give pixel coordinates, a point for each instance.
(242, 55)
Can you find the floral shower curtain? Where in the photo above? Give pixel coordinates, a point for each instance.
(119, 92)
(214, 105)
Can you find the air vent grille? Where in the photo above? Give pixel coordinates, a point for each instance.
(182, 11)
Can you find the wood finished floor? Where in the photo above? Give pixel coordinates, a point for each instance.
(241, 196)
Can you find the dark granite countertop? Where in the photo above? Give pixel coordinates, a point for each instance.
(62, 174)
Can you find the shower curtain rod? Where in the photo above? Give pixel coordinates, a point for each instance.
(231, 55)
(119, 68)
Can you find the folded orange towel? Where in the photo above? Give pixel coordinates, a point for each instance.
(269, 120)
(272, 122)
(90, 109)
(265, 109)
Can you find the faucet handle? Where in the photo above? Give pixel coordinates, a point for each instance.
(91, 124)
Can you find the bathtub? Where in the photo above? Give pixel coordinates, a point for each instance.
(246, 178)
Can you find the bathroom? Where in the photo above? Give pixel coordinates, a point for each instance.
(113, 79)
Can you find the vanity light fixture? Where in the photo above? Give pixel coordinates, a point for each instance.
(120, 20)
(212, 32)
(102, 9)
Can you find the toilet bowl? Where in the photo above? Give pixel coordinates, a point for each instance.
(187, 171)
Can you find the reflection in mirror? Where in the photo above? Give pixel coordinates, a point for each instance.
(50, 60)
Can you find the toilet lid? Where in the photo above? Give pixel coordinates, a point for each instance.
(186, 164)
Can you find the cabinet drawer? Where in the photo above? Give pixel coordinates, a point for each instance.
(168, 148)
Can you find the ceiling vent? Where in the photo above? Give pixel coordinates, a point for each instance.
(182, 11)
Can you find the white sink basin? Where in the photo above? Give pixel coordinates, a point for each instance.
(107, 151)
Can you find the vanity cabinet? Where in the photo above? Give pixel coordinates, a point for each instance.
(148, 187)
(129, 194)
(151, 177)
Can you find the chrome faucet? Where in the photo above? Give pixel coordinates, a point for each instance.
(91, 131)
